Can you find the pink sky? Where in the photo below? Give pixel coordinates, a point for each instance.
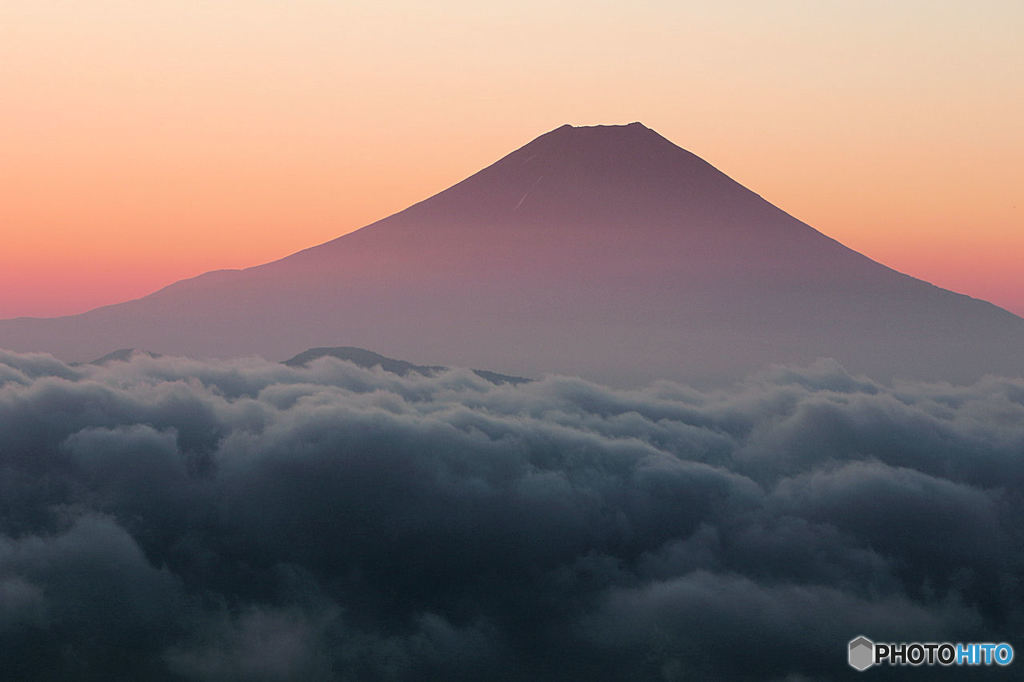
(146, 142)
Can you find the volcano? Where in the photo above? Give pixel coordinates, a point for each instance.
(606, 252)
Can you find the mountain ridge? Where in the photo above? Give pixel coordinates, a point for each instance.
(367, 359)
(604, 251)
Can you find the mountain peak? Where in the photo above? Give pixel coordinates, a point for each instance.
(607, 127)
(629, 151)
(579, 176)
(627, 133)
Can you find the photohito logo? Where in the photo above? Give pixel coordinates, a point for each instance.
(863, 653)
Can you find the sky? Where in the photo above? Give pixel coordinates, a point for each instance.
(147, 142)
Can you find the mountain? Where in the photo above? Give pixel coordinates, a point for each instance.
(367, 359)
(607, 252)
(123, 355)
(361, 357)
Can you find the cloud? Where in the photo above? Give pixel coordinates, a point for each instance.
(164, 518)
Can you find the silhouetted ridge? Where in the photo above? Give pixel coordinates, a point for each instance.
(367, 359)
(123, 355)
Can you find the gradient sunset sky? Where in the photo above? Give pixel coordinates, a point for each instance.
(144, 142)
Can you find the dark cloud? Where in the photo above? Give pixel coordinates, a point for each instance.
(164, 518)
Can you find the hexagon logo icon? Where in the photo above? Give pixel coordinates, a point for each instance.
(862, 653)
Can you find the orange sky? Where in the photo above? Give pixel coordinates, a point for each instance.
(145, 142)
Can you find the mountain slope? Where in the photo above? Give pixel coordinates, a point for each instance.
(603, 251)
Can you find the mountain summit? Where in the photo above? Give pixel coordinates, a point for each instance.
(603, 251)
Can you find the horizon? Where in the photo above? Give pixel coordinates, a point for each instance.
(148, 144)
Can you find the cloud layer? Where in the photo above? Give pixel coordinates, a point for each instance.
(164, 518)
